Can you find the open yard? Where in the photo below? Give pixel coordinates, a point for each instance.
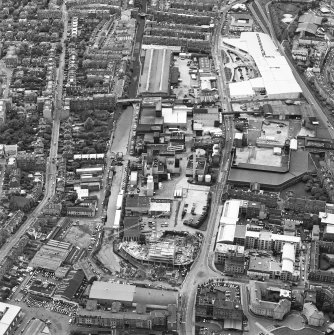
(80, 235)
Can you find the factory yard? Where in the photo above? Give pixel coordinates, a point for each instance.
(81, 234)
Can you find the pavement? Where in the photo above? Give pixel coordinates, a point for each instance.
(59, 323)
(51, 168)
(202, 269)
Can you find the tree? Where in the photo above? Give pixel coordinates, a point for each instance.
(91, 151)
(326, 307)
(89, 124)
(315, 190)
(307, 188)
(306, 178)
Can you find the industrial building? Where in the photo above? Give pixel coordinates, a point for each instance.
(155, 73)
(241, 22)
(51, 255)
(106, 293)
(276, 79)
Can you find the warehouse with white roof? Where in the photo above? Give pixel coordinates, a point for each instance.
(277, 78)
(228, 221)
(288, 258)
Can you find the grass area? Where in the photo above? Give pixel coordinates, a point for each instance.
(298, 190)
(324, 264)
(277, 12)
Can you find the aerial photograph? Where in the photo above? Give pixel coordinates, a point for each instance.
(166, 167)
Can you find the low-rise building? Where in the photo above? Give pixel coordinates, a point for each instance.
(81, 211)
(231, 257)
(10, 317)
(14, 221)
(218, 303)
(52, 208)
(259, 306)
(313, 315)
(265, 240)
(241, 22)
(130, 295)
(136, 204)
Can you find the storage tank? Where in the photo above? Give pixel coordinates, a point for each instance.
(208, 178)
(200, 178)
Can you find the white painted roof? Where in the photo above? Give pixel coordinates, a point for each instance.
(111, 291)
(231, 209)
(287, 265)
(275, 71)
(226, 233)
(327, 218)
(9, 314)
(288, 252)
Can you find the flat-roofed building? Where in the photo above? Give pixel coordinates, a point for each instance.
(136, 204)
(231, 257)
(10, 316)
(130, 295)
(51, 255)
(155, 74)
(241, 22)
(259, 306)
(228, 221)
(174, 117)
(263, 267)
(161, 208)
(277, 80)
(288, 261)
(265, 240)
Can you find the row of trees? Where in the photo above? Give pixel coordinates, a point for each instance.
(313, 186)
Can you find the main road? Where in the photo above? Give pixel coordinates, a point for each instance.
(202, 268)
(51, 168)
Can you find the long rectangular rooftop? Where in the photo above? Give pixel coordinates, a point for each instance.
(155, 74)
(278, 79)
